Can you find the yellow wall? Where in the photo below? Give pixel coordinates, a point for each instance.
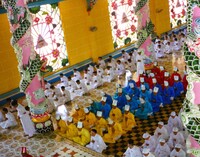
(9, 75)
(159, 14)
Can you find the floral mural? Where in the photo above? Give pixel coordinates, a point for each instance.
(123, 21)
(177, 10)
(48, 36)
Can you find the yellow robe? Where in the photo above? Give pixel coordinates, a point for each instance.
(89, 121)
(83, 137)
(78, 115)
(128, 121)
(115, 114)
(71, 131)
(114, 133)
(62, 127)
(101, 125)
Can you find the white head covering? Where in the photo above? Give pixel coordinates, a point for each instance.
(90, 101)
(119, 90)
(128, 78)
(173, 113)
(102, 93)
(155, 89)
(154, 80)
(69, 119)
(58, 117)
(166, 74)
(86, 110)
(145, 151)
(128, 97)
(115, 102)
(178, 146)
(152, 75)
(99, 114)
(176, 78)
(166, 83)
(162, 140)
(175, 129)
(160, 123)
(142, 101)
(117, 85)
(175, 69)
(140, 71)
(127, 107)
(143, 87)
(161, 68)
(76, 107)
(104, 99)
(79, 125)
(146, 135)
(141, 79)
(131, 85)
(110, 121)
(155, 63)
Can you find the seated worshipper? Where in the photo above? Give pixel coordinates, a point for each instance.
(162, 149)
(129, 81)
(150, 142)
(133, 91)
(175, 73)
(99, 70)
(146, 153)
(115, 113)
(83, 136)
(125, 55)
(120, 69)
(149, 80)
(77, 75)
(145, 94)
(168, 48)
(87, 78)
(24, 152)
(89, 120)
(66, 96)
(176, 45)
(10, 120)
(130, 65)
(94, 106)
(114, 132)
(155, 84)
(155, 69)
(113, 61)
(132, 102)
(2, 118)
(90, 69)
(101, 63)
(108, 98)
(11, 108)
(105, 108)
(81, 88)
(178, 151)
(176, 137)
(101, 123)
(71, 84)
(161, 132)
(159, 52)
(27, 123)
(142, 82)
(96, 80)
(168, 94)
(96, 142)
(61, 126)
(132, 150)
(156, 100)
(140, 62)
(174, 121)
(63, 79)
(143, 75)
(160, 77)
(79, 114)
(111, 64)
(168, 79)
(110, 75)
(185, 82)
(144, 110)
(46, 84)
(71, 130)
(121, 99)
(132, 56)
(128, 122)
(55, 91)
(178, 87)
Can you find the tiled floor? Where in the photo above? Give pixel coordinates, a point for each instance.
(48, 145)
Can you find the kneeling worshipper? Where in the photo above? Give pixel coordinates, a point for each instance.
(96, 142)
(71, 84)
(79, 114)
(156, 100)
(120, 70)
(23, 114)
(105, 108)
(132, 151)
(90, 69)
(101, 63)
(144, 93)
(2, 118)
(174, 121)
(145, 109)
(175, 73)
(155, 84)
(150, 142)
(128, 122)
(178, 87)
(178, 151)
(132, 102)
(94, 106)
(142, 79)
(115, 113)
(168, 79)
(162, 149)
(71, 130)
(87, 78)
(77, 75)
(61, 126)
(110, 75)
(101, 124)
(161, 132)
(89, 120)
(114, 132)
(133, 91)
(109, 99)
(176, 137)
(63, 80)
(168, 94)
(10, 119)
(81, 88)
(121, 99)
(161, 75)
(96, 81)
(66, 96)
(156, 69)
(146, 153)
(83, 137)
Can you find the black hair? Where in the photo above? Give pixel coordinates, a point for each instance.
(130, 142)
(61, 74)
(62, 87)
(27, 108)
(5, 110)
(69, 77)
(14, 103)
(94, 130)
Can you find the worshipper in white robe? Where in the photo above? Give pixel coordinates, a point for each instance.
(63, 79)
(162, 149)
(140, 62)
(159, 52)
(55, 91)
(174, 121)
(81, 88)
(132, 151)
(182, 39)
(130, 65)
(47, 85)
(109, 74)
(50, 104)
(96, 142)
(178, 151)
(66, 96)
(125, 55)
(96, 80)
(77, 75)
(120, 70)
(87, 78)
(99, 70)
(101, 63)
(111, 64)
(71, 85)
(10, 119)
(146, 153)
(2, 118)
(161, 132)
(176, 45)
(176, 137)
(168, 48)
(149, 142)
(90, 69)
(112, 61)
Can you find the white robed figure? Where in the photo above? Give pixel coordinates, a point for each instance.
(178, 151)
(10, 120)
(2, 118)
(128, 76)
(162, 149)
(161, 132)
(140, 62)
(26, 121)
(132, 151)
(96, 143)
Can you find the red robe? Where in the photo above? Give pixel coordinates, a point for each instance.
(160, 77)
(185, 82)
(138, 82)
(170, 80)
(176, 74)
(155, 70)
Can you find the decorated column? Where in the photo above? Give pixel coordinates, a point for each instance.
(29, 64)
(145, 31)
(191, 106)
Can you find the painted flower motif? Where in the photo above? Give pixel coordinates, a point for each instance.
(130, 2)
(55, 53)
(126, 33)
(114, 5)
(133, 28)
(118, 33)
(36, 20)
(48, 19)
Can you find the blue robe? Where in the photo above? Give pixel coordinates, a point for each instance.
(134, 92)
(167, 94)
(105, 110)
(121, 101)
(146, 95)
(160, 91)
(156, 100)
(109, 99)
(95, 106)
(146, 85)
(144, 110)
(133, 105)
(178, 88)
(125, 89)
